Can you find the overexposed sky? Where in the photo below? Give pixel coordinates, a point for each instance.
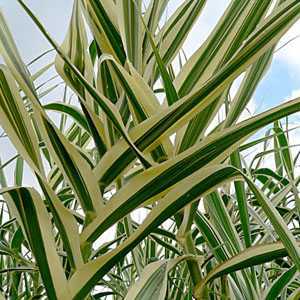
(54, 14)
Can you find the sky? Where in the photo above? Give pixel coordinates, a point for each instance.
(281, 82)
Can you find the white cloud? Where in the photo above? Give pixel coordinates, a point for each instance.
(294, 94)
(204, 25)
(290, 48)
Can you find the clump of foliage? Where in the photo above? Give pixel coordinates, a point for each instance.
(141, 136)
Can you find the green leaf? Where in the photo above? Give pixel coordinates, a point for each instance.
(275, 290)
(32, 215)
(154, 279)
(16, 121)
(151, 183)
(103, 102)
(250, 257)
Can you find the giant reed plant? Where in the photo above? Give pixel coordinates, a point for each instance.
(214, 226)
